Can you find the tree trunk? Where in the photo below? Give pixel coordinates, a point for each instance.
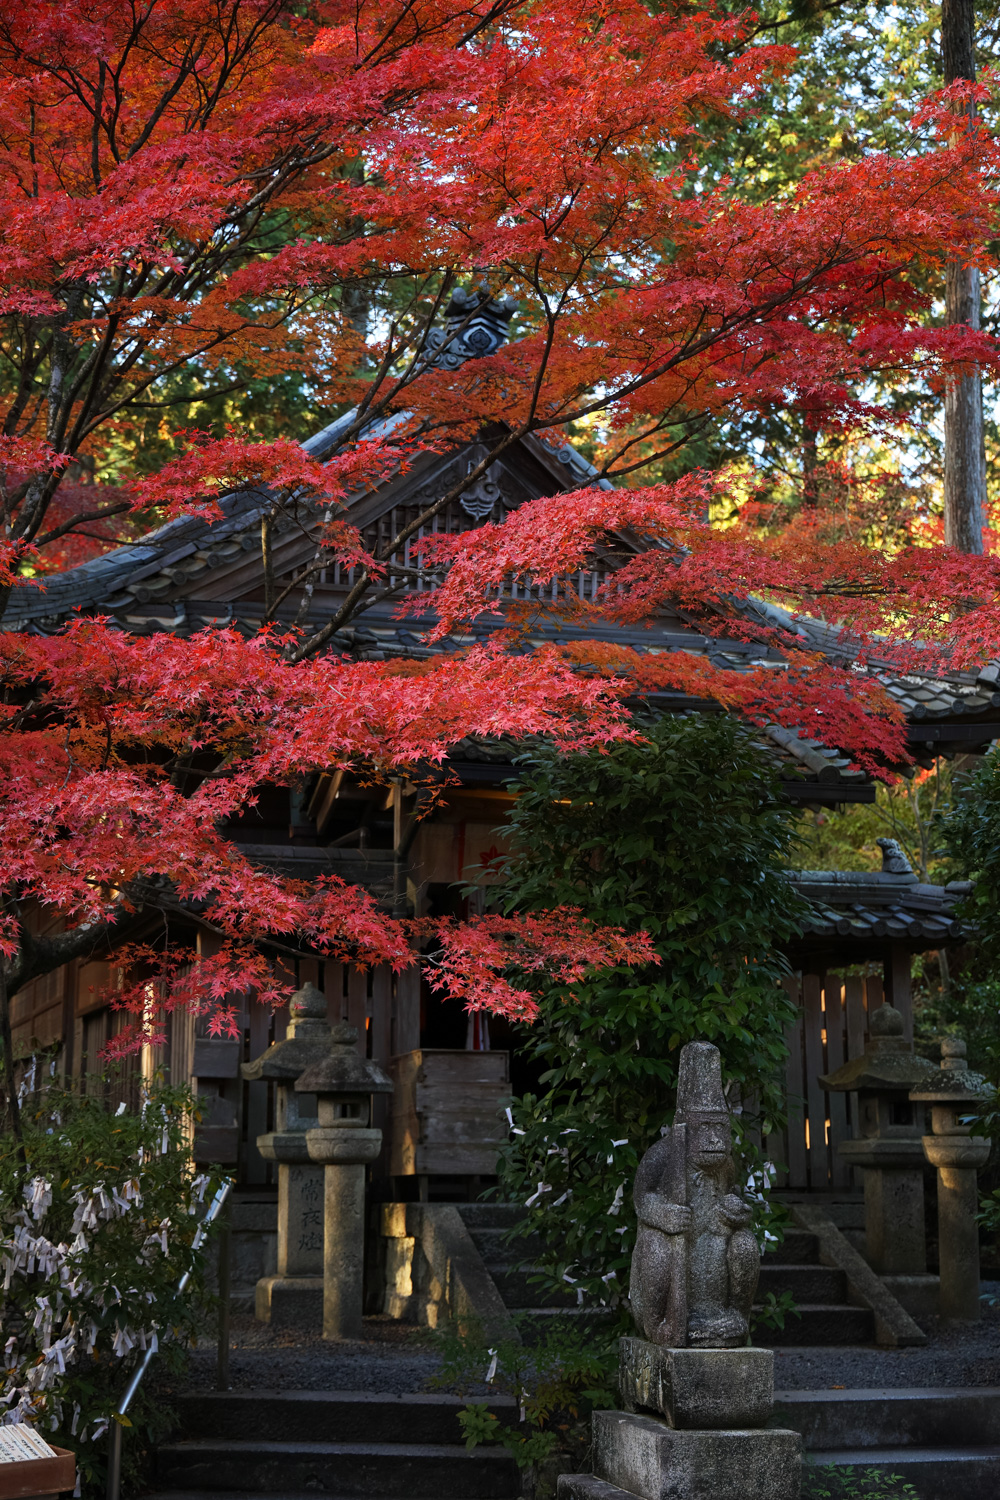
(9, 1078)
(964, 441)
(810, 463)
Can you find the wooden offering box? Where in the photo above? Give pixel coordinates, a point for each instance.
(38, 1476)
(448, 1112)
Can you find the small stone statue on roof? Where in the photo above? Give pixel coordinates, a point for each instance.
(696, 1260)
(894, 860)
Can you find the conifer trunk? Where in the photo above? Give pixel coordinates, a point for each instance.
(964, 442)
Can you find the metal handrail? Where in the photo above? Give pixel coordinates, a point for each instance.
(115, 1430)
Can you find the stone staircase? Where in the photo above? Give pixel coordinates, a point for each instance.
(945, 1442)
(823, 1313)
(329, 1445)
(489, 1225)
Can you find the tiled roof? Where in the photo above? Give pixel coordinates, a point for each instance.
(864, 909)
(848, 904)
(154, 584)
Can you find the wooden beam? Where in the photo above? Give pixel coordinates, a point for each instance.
(899, 991)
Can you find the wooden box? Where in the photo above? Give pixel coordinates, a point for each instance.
(38, 1476)
(448, 1112)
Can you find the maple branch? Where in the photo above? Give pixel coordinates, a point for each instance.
(80, 519)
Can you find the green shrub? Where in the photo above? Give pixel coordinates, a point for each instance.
(684, 836)
(95, 1233)
(557, 1379)
(836, 1482)
(971, 831)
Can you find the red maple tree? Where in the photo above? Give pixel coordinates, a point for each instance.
(200, 199)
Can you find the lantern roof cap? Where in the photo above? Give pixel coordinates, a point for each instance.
(954, 1082)
(341, 1070)
(307, 1041)
(889, 1063)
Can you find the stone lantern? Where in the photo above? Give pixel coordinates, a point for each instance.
(888, 1146)
(957, 1154)
(344, 1142)
(293, 1298)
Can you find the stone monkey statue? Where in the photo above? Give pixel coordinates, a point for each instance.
(696, 1261)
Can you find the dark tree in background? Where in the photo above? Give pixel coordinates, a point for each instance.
(964, 442)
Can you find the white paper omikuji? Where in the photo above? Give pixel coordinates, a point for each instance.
(31, 1368)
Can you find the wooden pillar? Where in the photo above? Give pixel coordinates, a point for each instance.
(407, 1027)
(898, 991)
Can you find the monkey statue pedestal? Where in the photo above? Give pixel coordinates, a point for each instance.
(696, 1395)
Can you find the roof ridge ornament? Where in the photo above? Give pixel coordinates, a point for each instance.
(894, 860)
(475, 324)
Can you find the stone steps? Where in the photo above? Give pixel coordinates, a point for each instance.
(798, 1248)
(497, 1247)
(274, 1495)
(336, 1444)
(935, 1473)
(923, 1417)
(418, 1471)
(519, 1294)
(326, 1416)
(945, 1441)
(811, 1324)
(818, 1284)
(822, 1313)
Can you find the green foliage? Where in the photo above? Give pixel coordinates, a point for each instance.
(773, 1310)
(95, 1234)
(681, 835)
(971, 835)
(836, 1482)
(557, 1380)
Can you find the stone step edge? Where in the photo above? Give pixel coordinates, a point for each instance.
(257, 1495)
(247, 1447)
(894, 1328)
(420, 1399)
(824, 1307)
(877, 1458)
(864, 1394)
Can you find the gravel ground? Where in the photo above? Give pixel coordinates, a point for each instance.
(395, 1358)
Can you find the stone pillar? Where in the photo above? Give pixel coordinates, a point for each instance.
(957, 1155)
(293, 1298)
(344, 1235)
(344, 1143)
(887, 1146)
(300, 1217)
(895, 1237)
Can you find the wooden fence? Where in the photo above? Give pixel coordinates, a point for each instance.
(831, 1029)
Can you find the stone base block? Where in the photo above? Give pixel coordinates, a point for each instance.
(697, 1388)
(645, 1457)
(290, 1302)
(918, 1294)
